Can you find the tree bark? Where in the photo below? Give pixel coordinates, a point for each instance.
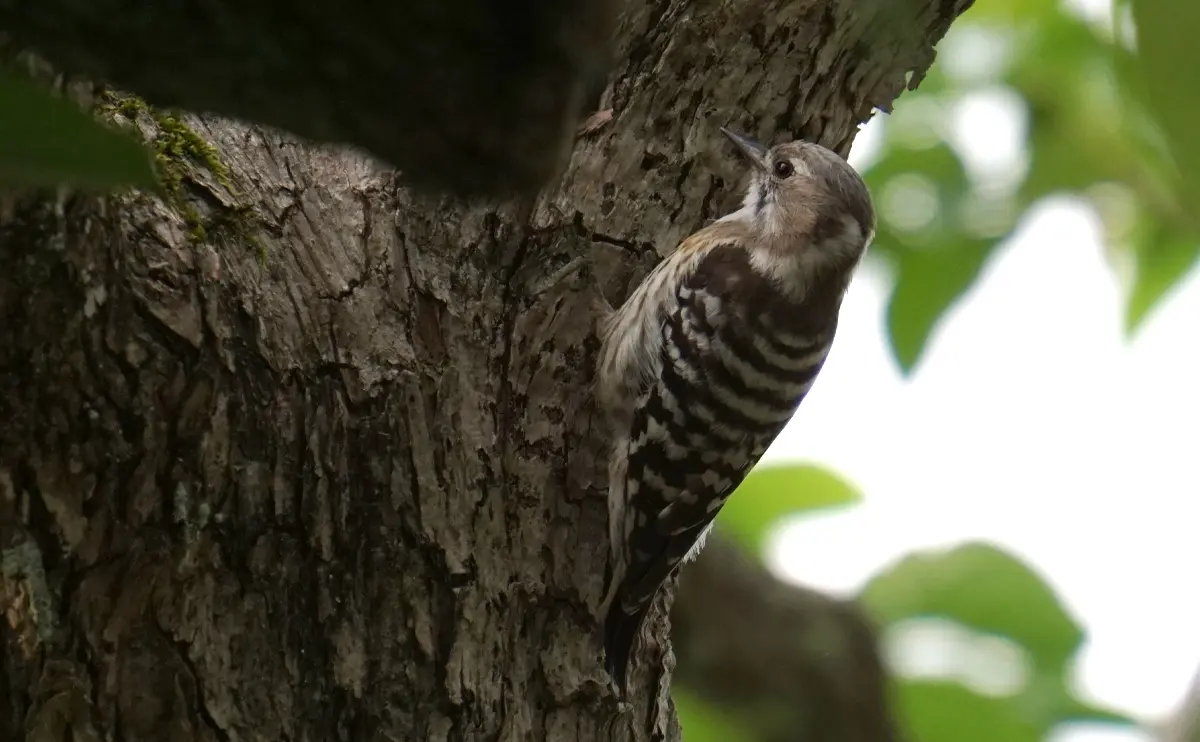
(300, 453)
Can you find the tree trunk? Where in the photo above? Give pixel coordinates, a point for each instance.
(299, 454)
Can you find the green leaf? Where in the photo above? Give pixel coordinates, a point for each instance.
(1086, 130)
(1162, 257)
(987, 590)
(938, 163)
(1060, 48)
(983, 588)
(1011, 12)
(1048, 701)
(939, 711)
(1170, 60)
(1164, 241)
(927, 284)
(771, 492)
(702, 723)
(1074, 710)
(1066, 74)
(47, 141)
(934, 265)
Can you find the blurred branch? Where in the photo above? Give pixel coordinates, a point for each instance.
(469, 96)
(789, 663)
(1184, 726)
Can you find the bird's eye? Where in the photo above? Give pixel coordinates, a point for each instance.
(784, 169)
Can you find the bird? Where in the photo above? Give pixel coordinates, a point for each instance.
(709, 357)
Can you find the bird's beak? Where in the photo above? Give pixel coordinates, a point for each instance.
(752, 150)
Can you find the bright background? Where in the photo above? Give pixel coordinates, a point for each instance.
(1033, 420)
(1032, 423)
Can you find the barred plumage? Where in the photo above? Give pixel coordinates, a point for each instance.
(707, 360)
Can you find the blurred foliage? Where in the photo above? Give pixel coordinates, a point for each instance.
(981, 588)
(1102, 121)
(47, 141)
(701, 722)
(770, 492)
(936, 710)
(977, 587)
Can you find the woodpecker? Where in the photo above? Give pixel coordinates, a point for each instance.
(708, 359)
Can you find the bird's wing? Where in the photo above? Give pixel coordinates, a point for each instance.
(679, 462)
(632, 336)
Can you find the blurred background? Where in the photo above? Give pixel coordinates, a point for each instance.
(1000, 457)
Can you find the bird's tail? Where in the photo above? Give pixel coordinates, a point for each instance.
(620, 632)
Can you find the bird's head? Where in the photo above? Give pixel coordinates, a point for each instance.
(804, 199)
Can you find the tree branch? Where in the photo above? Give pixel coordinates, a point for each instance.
(791, 663)
(1184, 725)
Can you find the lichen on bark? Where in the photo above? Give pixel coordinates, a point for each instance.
(183, 157)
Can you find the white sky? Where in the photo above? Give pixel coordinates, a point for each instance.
(1032, 423)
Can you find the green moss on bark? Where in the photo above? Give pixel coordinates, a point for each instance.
(180, 154)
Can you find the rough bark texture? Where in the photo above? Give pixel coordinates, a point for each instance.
(787, 663)
(300, 454)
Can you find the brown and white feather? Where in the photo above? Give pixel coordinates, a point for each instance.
(707, 360)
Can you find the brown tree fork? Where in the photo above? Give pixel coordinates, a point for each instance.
(300, 453)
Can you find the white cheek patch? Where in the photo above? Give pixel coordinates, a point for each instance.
(749, 204)
(793, 270)
(770, 220)
(850, 242)
(780, 267)
(745, 214)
